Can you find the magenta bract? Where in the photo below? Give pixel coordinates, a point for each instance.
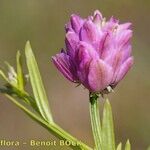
(97, 53)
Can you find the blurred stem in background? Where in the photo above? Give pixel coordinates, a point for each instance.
(37, 107)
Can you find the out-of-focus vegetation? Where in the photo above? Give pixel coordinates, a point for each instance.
(42, 22)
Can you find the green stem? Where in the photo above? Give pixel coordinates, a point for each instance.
(95, 120)
(52, 128)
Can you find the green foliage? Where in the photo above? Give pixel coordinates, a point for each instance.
(35, 107)
(37, 84)
(108, 138)
(20, 75)
(108, 128)
(103, 130)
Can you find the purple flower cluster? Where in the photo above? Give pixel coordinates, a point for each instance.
(98, 52)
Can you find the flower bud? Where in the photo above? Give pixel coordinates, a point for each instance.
(97, 54)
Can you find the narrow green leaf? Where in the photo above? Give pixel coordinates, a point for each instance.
(119, 147)
(20, 76)
(128, 145)
(108, 128)
(37, 84)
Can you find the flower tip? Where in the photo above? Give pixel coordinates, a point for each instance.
(28, 46)
(74, 17)
(97, 12)
(28, 43)
(128, 25)
(52, 58)
(114, 20)
(97, 16)
(76, 22)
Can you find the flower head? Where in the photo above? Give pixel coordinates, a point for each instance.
(97, 53)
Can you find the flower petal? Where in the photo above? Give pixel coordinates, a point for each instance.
(124, 69)
(127, 52)
(108, 46)
(123, 38)
(100, 75)
(116, 59)
(86, 51)
(124, 26)
(110, 25)
(76, 22)
(71, 43)
(85, 54)
(101, 43)
(89, 32)
(64, 65)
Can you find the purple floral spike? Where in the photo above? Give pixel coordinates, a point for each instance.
(98, 52)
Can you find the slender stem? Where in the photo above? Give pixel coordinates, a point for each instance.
(95, 120)
(52, 128)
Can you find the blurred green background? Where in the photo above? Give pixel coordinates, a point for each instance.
(42, 22)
